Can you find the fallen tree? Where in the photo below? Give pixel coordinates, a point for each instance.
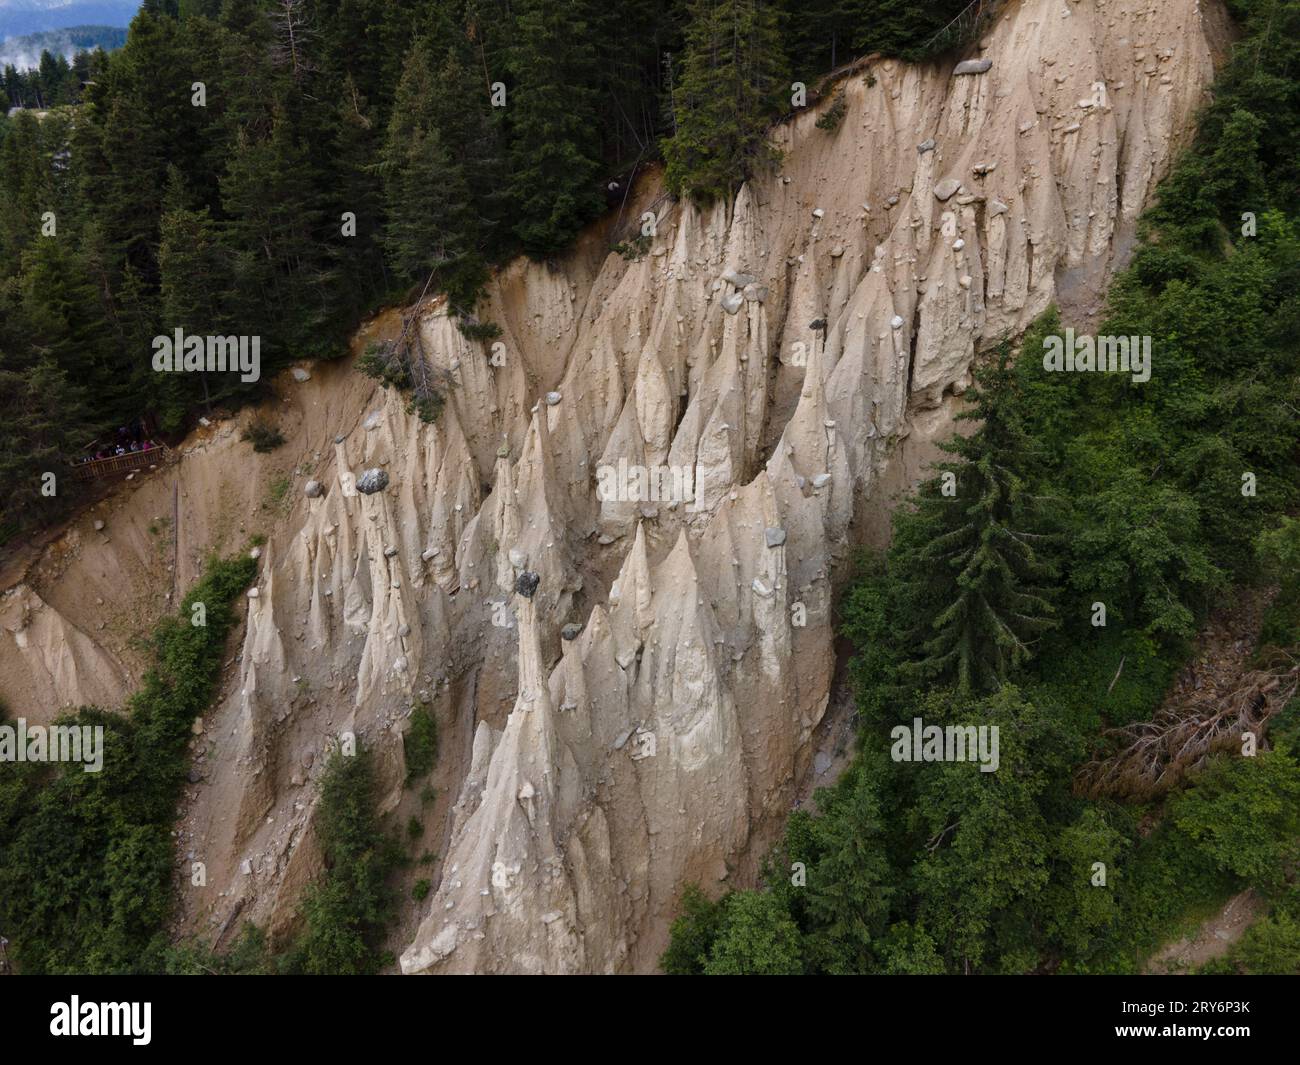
(1153, 756)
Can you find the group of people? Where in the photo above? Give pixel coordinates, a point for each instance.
(129, 440)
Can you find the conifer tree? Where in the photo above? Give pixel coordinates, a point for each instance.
(192, 264)
(43, 419)
(468, 126)
(972, 556)
(554, 118)
(733, 81)
(355, 192)
(26, 189)
(430, 216)
(62, 310)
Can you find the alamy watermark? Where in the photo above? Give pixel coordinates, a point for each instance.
(631, 483)
(193, 354)
(76, 1018)
(1108, 354)
(920, 742)
(53, 743)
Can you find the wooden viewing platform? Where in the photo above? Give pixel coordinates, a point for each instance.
(98, 469)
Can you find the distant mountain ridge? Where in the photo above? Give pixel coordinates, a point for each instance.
(20, 17)
(24, 52)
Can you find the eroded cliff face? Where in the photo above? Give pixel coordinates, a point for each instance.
(681, 450)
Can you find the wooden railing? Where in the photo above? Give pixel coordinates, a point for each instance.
(97, 469)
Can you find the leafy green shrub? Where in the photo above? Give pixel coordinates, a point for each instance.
(756, 938)
(420, 891)
(693, 933)
(475, 330)
(746, 933)
(635, 248)
(347, 908)
(248, 956)
(1271, 947)
(1105, 676)
(86, 858)
(277, 491)
(1278, 551)
(831, 118)
(420, 742)
(1244, 813)
(264, 436)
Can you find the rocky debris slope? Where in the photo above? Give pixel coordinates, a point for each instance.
(609, 566)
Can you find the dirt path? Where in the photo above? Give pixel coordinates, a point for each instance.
(1224, 650)
(1213, 939)
(835, 738)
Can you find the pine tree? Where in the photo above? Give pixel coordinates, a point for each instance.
(192, 264)
(26, 189)
(275, 196)
(63, 312)
(43, 418)
(733, 80)
(971, 556)
(469, 127)
(359, 257)
(431, 221)
(822, 34)
(554, 114)
(631, 38)
(909, 30)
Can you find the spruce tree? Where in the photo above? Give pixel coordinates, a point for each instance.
(192, 263)
(26, 189)
(971, 557)
(471, 130)
(430, 215)
(734, 79)
(356, 141)
(43, 419)
(554, 115)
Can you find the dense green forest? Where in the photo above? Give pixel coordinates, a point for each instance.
(250, 168)
(56, 81)
(1160, 501)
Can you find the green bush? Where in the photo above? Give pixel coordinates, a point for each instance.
(248, 956)
(831, 118)
(263, 436)
(693, 933)
(756, 938)
(1271, 947)
(420, 742)
(86, 858)
(348, 907)
(746, 933)
(474, 330)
